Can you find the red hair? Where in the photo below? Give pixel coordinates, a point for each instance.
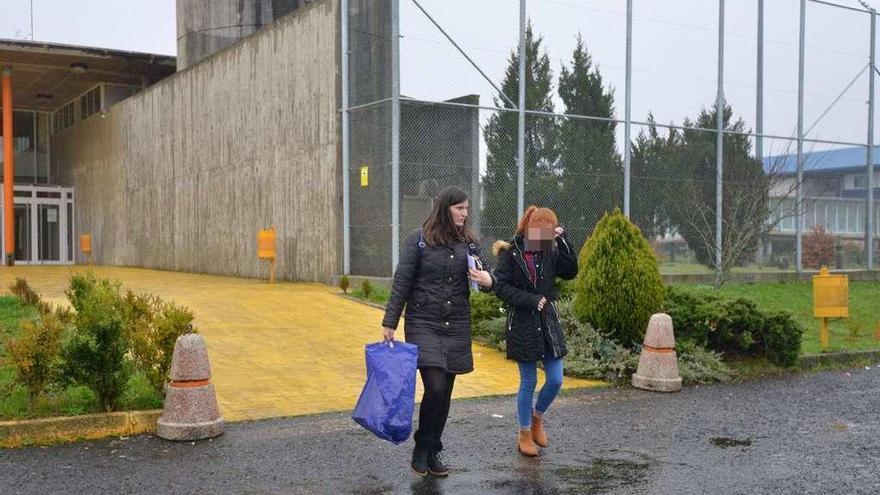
(536, 217)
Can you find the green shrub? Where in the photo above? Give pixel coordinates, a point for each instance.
(344, 283)
(366, 288)
(152, 328)
(734, 327)
(591, 354)
(484, 306)
(24, 293)
(699, 365)
(693, 316)
(34, 354)
(739, 327)
(782, 337)
(493, 332)
(565, 289)
(94, 356)
(619, 285)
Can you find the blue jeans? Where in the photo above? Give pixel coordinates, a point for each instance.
(528, 379)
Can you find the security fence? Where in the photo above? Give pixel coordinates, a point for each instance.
(479, 95)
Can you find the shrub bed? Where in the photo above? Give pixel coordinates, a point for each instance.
(111, 351)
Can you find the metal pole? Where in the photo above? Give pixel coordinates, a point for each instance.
(799, 198)
(869, 231)
(719, 140)
(346, 151)
(627, 126)
(395, 133)
(521, 128)
(759, 110)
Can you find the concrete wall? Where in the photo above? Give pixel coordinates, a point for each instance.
(206, 26)
(183, 175)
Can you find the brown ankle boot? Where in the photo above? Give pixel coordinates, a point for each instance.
(526, 445)
(538, 433)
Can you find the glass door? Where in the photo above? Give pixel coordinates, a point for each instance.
(23, 216)
(49, 232)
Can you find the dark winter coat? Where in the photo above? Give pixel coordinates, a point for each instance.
(527, 328)
(432, 283)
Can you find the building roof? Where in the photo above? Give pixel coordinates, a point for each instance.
(59, 73)
(848, 159)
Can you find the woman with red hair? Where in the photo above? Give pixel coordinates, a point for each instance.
(525, 280)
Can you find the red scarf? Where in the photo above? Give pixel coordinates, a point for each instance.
(532, 258)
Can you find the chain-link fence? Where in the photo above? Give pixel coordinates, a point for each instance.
(434, 100)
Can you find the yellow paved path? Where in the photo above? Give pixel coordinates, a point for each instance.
(276, 350)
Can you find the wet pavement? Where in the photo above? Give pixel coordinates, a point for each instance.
(805, 434)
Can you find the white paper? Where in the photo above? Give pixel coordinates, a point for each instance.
(472, 263)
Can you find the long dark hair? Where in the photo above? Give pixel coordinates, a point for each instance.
(439, 229)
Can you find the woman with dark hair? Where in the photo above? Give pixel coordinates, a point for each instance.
(432, 282)
(527, 268)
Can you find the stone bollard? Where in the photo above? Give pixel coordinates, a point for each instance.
(191, 411)
(658, 366)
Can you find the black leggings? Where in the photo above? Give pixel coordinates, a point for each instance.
(435, 407)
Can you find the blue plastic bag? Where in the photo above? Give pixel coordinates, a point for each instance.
(385, 406)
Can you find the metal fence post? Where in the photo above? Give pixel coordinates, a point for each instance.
(759, 96)
(395, 133)
(627, 125)
(799, 199)
(346, 150)
(719, 141)
(521, 128)
(869, 224)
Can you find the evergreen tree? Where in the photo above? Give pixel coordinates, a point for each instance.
(652, 181)
(590, 167)
(500, 133)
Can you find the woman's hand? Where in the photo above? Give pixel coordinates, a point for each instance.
(388, 333)
(542, 303)
(481, 277)
(559, 231)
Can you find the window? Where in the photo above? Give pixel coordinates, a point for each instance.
(65, 117)
(860, 181)
(90, 102)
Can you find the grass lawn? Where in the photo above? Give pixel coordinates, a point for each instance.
(858, 332)
(58, 400)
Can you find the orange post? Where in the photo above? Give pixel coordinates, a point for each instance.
(85, 245)
(266, 249)
(8, 169)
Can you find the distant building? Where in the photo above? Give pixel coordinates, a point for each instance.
(834, 190)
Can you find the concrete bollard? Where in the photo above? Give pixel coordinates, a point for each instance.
(658, 365)
(191, 411)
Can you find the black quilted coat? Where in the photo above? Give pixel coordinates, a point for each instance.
(432, 284)
(527, 328)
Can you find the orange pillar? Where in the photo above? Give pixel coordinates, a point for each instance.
(8, 169)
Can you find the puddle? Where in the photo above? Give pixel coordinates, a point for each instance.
(597, 476)
(603, 475)
(725, 442)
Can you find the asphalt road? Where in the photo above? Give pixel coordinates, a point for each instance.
(804, 434)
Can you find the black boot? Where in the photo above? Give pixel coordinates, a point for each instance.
(435, 464)
(420, 460)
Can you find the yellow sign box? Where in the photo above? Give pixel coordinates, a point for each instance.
(365, 176)
(266, 244)
(830, 295)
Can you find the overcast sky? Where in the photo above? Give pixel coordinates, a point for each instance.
(674, 54)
